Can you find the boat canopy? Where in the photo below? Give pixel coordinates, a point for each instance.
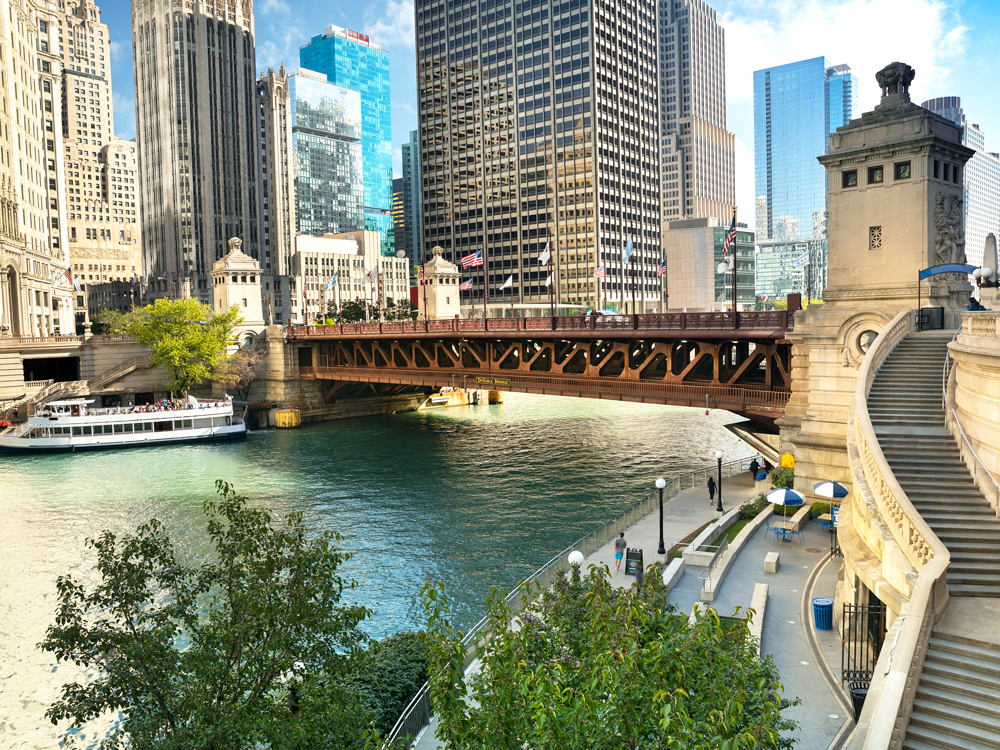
(79, 402)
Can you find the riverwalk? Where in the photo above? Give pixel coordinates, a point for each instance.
(808, 660)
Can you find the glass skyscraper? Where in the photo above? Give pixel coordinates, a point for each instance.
(411, 244)
(350, 60)
(327, 139)
(796, 107)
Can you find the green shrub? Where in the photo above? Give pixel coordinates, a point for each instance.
(751, 508)
(783, 477)
(818, 509)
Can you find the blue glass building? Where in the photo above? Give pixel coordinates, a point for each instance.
(350, 60)
(412, 235)
(326, 137)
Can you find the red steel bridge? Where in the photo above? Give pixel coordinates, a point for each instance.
(736, 362)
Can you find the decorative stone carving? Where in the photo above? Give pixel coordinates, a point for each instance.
(895, 78)
(234, 244)
(949, 236)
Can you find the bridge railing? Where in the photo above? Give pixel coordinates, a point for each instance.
(775, 320)
(418, 713)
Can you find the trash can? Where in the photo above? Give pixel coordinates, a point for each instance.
(823, 613)
(858, 691)
(761, 476)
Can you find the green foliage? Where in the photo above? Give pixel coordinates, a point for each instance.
(387, 676)
(818, 509)
(184, 336)
(592, 666)
(198, 657)
(782, 477)
(355, 311)
(751, 508)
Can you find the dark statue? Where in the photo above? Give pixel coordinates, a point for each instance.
(895, 78)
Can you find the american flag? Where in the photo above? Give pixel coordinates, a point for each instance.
(465, 285)
(731, 237)
(599, 273)
(662, 269)
(421, 274)
(472, 259)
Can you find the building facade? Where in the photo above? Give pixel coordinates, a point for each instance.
(781, 271)
(411, 244)
(693, 249)
(982, 179)
(796, 108)
(277, 170)
(350, 60)
(538, 127)
(197, 132)
(398, 220)
(696, 149)
(36, 297)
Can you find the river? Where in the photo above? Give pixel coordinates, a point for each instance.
(471, 496)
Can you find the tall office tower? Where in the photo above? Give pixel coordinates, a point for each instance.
(697, 152)
(398, 220)
(195, 105)
(982, 179)
(538, 126)
(411, 201)
(350, 60)
(796, 108)
(35, 296)
(277, 168)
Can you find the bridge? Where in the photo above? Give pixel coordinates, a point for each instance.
(739, 362)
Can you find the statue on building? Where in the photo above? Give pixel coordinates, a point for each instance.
(235, 243)
(895, 78)
(949, 237)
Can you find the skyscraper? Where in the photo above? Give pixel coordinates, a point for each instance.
(697, 152)
(982, 179)
(413, 231)
(538, 126)
(196, 123)
(796, 108)
(350, 60)
(398, 217)
(277, 167)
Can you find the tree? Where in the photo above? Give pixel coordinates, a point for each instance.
(598, 668)
(240, 370)
(236, 652)
(183, 335)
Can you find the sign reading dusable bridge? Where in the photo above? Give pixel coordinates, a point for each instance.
(492, 381)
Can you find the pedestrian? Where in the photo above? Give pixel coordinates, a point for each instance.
(620, 545)
(711, 490)
(15, 411)
(754, 466)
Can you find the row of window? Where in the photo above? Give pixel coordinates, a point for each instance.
(876, 175)
(130, 428)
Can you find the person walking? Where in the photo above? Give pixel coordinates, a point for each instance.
(711, 490)
(620, 545)
(754, 467)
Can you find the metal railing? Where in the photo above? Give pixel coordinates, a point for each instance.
(129, 364)
(706, 574)
(522, 595)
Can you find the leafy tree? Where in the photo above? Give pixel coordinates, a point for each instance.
(240, 370)
(239, 652)
(357, 311)
(598, 668)
(183, 335)
(783, 477)
(401, 310)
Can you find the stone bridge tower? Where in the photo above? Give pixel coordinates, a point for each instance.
(894, 186)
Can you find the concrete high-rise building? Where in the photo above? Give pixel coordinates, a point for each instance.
(538, 125)
(198, 136)
(278, 170)
(398, 220)
(982, 179)
(693, 251)
(411, 244)
(351, 60)
(696, 149)
(796, 108)
(36, 298)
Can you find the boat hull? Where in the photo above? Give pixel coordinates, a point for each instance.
(54, 445)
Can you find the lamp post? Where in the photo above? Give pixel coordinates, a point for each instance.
(718, 457)
(661, 553)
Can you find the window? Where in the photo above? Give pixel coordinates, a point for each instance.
(874, 238)
(946, 168)
(955, 174)
(902, 171)
(875, 175)
(850, 178)
(937, 169)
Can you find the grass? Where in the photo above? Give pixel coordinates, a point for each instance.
(678, 549)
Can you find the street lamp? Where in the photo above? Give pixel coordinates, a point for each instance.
(718, 457)
(661, 553)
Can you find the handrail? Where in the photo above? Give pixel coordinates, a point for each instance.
(544, 575)
(130, 362)
(720, 551)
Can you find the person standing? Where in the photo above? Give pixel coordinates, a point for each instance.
(754, 467)
(711, 490)
(620, 545)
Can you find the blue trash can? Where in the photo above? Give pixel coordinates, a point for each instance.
(823, 613)
(761, 476)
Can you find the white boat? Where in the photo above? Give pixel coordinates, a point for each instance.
(74, 425)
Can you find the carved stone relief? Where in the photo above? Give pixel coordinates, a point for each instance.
(949, 236)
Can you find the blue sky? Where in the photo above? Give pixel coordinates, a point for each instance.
(952, 45)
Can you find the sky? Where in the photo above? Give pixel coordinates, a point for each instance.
(952, 45)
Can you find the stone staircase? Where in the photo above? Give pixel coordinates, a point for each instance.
(957, 704)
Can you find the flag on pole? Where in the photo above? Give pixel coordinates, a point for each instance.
(465, 286)
(509, 282)
(599, 273)
(803, 260)
(731, 237)
(421, 273)
(164, 276)
(332, 281)
(472, 259)
(372, 276)
(726, 265)
(544, 257)
(662, 269)
(69, 277)
(548, 281)
(628, 249)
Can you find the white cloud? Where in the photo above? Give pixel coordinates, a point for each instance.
(395, 26)
(124, 112)
(397, 162)
(268, 7)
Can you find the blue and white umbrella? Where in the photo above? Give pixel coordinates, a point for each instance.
(830, 489)
(786, 497)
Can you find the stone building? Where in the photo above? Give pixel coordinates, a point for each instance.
(236, 280)
(278, 170)
(437, 298)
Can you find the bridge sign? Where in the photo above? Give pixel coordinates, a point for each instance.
(492, 381)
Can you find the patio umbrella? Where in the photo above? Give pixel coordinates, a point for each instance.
(786, 497)
(830, 489)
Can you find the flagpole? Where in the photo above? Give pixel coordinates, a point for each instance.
(735, 310)
(485, 313)
(809, 284)
(632, 261)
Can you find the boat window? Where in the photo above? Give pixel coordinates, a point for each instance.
(77, 430)
(181, 424)
(86, 430)
(120, 428)
(163, 426)
(203, 422)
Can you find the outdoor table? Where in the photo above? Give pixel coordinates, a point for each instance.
(783, 527)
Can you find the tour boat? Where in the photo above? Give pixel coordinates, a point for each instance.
(73, 425)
